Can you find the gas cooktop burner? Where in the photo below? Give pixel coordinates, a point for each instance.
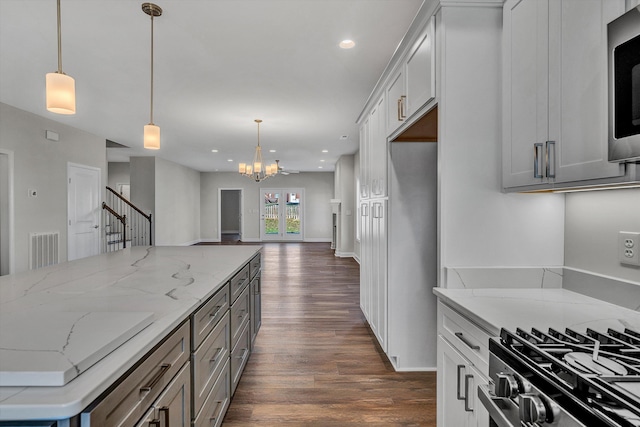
(594, 372)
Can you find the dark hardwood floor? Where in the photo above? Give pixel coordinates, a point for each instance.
(316, 362)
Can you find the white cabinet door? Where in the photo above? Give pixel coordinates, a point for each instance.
(451, 387)
(578, 88)
(379, 271)
(364, 159)
(525, 83)
(555, 91)
(378, 151)
(420, 71)
(396, 101)
(365, 260)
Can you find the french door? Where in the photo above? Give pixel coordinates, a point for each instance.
(281, 214)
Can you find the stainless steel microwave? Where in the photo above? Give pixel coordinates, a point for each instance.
(624, 87)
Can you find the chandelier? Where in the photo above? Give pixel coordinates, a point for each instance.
(257, 170)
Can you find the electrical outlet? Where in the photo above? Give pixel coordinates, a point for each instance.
(629, 248)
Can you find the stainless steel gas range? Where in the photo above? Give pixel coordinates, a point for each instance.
(563, 379)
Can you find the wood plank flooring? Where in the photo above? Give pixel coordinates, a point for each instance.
(316, 362)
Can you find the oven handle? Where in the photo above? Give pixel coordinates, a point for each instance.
(495, 414)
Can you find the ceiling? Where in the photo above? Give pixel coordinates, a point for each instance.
(219, 64)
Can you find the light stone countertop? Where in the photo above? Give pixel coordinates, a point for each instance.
(493, 309)
(157, 286)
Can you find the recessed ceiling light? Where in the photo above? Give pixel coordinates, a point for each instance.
(214, 151)
(347, 44)
(319, 167)
(322, 160)
(229, 160)
(325, 151)
(272, 151)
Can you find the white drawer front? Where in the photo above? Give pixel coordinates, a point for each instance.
(465, 336)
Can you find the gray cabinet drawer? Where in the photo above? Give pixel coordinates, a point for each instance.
(206, 317)
(136, 393)
(209, 361)
(254, 265)
(172, 407)
(240, 314)
(239, 282)
(239, 356)
(216, 404)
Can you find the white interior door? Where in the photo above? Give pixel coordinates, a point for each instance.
(281, 214)
(83, 211)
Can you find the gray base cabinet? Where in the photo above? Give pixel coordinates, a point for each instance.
(190, 377)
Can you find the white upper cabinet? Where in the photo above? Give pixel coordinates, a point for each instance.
(378, 153)
(413, 84)
(555, 92)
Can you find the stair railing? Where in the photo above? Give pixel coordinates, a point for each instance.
(115, 229)
(138, 227)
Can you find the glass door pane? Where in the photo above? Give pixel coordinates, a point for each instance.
(293, 217)
(271, 213)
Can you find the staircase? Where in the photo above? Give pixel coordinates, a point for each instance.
(125, 224)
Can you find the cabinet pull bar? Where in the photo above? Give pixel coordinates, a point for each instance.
(403, 100)
(399, 109)
(550, 159)
(215, 356)
(244, 352)
(537, 158)
(466, 392)
(458, 395)
(156, 378)
(215, 313)
(492, 404)
(466, 342)
(165, 410)
(214, 418)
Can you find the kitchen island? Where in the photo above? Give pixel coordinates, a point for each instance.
(113, 309)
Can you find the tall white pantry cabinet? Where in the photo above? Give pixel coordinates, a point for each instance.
(397, 206)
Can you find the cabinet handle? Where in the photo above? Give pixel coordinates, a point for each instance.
(163, 370)
(165, 410)
(403, 100)
(537, 159)
(466, 392)
(365, 210)
(466, 342)
(399, 109)
(214, 359)
(214, 418)
(550, 159)
(244, 352)
(458, 395)
(215, 313)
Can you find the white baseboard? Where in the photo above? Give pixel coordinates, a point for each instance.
(209, 241)
(345, 254)
(357, 258)
(317, 240)
(230, 232)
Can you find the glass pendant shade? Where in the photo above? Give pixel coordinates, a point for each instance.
(60, 93)
(152, 137)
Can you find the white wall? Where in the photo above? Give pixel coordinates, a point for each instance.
(177, 218)
(118, 174)
(345, 191)
(592, 223)
(41, 164)
(318, 191)
(480, 225)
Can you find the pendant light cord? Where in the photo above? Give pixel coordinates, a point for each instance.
(59, 41)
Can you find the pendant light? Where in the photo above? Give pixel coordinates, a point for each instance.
(257, 170)
(60, 90)
(151, 131)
